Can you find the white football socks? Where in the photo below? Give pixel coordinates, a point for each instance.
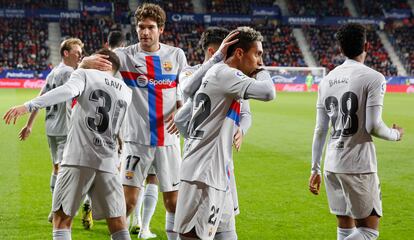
(121, 235)
(62, 234)
(137, 212)
(342, 233)
(169, 226)
(363, 233)
(52, 182)
(150, 203)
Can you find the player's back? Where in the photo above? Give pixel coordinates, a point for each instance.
(345, 93)
(58, 114)
(96, 120)
(216, 109)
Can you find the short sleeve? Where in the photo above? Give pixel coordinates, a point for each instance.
(182, 60)
(376, 91)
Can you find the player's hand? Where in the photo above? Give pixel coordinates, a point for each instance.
(171, 127)
(120, 145)
(227, 42)
(25, 133)
(96, 61)
(238, 139)
(255, 72)
(315, 183)
(399, 129)
(14, 113)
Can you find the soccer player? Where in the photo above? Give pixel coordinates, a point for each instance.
(57, 116)
(115, 40)
(88, 165)
(350, 99)
(151, 70)
(148, 199)
(309, 81)
(205, 170)
(215, 42)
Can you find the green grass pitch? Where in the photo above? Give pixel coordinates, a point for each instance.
(272, 173)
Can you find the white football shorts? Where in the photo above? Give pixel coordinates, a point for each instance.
(353, 195)
(137, 159)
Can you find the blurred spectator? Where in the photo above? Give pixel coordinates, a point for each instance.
(38, 4)
(400, 35)
(235, 6)
(23, 43)
(93, 31)
(324, 48)
(317, 8)
(375, 8)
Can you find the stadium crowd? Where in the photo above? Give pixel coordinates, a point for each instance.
(327, 53)
(38, 4)
(92, 30)
(374, 8)
(398, 34)
(28, 49)
(23, 44)
(318, 8)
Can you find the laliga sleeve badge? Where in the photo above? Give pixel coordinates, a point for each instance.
(167, 65)
(383, 88)
(240, 75)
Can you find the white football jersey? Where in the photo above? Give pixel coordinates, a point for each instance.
(344, 94)
(57, 116)
(153, 78)
(215, 114)
(96, 120)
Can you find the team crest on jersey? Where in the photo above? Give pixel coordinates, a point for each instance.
(167, 65)
(188, 73)
(129, 175)
(142, 81)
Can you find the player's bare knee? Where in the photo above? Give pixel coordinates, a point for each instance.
(170, 201)
(116, 224)
(131, 198)
(371, 222)
(152, 179)
(345, 221)
(61, 220)
(55, 168)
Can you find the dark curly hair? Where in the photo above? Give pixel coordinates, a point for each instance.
(212, 35)
(246, 36)
(351, 38)
(152, 11)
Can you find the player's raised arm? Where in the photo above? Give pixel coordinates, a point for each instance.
(96, 61)
(190, 80)
(182, 118)
(27, 129)
(71, 89)
(263, 89)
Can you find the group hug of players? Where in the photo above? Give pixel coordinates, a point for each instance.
(147, 96)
